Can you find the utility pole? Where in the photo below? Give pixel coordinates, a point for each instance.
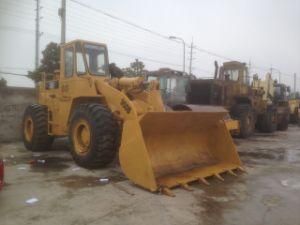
(136, 67)
(295, 84)
(62, 14)
(183, 42)
(271, 70)
(183, 57)
(37, 34)
(279, 77)
(191, 58)
(249, 72)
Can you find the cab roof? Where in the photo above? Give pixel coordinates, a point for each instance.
(83, 41)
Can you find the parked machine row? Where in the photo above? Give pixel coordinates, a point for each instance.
(254, 103)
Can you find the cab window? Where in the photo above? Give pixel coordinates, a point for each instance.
(96, 59)
(232, 74)
(69, 61)
(80, 66)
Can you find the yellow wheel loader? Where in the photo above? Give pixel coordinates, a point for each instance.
(158, 150)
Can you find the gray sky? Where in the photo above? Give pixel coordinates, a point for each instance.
(265, 32)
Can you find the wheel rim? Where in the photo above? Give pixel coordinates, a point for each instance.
(248, 123)
(81, 137)
(28, 128)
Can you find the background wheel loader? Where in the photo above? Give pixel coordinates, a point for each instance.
(158, 150)
(174, 86)
(277, 95)
(280, 99)
(247, 102)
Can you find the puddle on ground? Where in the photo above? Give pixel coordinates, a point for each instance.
(39, 163)
(12, 160)
(219, 197)
(265, 155)
(78, 182)
(293, 156)
(117, 176)
(262, 153)
(271, 200)
(49, 164)
(265, 134)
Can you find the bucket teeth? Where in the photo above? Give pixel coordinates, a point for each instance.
(204, 181)
(186, 187)
(219, 176)
(167, 191)
(232, 173)
(242, 169)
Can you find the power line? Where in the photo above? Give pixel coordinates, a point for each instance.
(120, 19)
(213, 54)
(145, 29)
(24, 30)
(144, 58)
(15, 68)
(124, 39)
(14, 74)
(136, 26)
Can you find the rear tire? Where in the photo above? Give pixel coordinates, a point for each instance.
(94, 135)
(35, 128)
(246, 117)
(267, 122)
(294, 118)
(283, 123)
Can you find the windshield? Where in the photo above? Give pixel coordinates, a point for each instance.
(96, 59)
(232, 74)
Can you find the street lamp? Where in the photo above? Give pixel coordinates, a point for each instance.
(183, 42)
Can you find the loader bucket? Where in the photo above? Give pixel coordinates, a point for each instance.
(168, 149)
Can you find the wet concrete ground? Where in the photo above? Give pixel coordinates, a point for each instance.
(268, 194)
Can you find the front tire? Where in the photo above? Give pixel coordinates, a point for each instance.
(267, 122)
(94, 135)
(283, 120)
(35, 128)
(246, 117)
(294, 118)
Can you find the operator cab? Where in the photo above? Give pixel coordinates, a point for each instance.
(281, 92)
(235, 71)
(85, 58)
(173, 85)
(79, 58)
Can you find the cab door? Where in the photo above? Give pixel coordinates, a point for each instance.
(67, 72)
